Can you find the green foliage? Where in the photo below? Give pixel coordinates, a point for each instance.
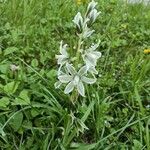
(10, 50)
(11, 87)
(4, 102)
(115, 112)
(22, 99)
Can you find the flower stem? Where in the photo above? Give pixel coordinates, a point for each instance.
(78, 50)
(74, 96)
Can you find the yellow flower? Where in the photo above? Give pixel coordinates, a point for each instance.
(79, 2)
(124, 26)
(147, 51)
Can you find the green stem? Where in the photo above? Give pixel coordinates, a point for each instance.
(78, 51)
(75, 94)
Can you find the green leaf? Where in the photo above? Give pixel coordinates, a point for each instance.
(1, 130)
(51, 74)
(34, 63)
(16, 121)
(3, 68)
(1, 88)
(11, 87)
(137, 145)
(86, 114)
(10, 50)
(34, 112)
(23, 98)
(4, 102)
(80, 146)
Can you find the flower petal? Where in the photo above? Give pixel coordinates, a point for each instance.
(80, 88)
(61, 59)
(94, 47)
(76, 80)
(97, 54)
(69, 88)
(90, 61)
(87, 32)
(88, 80)
(65, 78)
(82, 71)
(91, 6)
(57, 84)
(71, 69)
(93, 15)
(78, 20)
(93, 70)
(59, 72)
(63, 48)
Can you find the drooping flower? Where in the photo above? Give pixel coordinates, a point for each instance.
(87, 32)
(78, 20)
(63, 58)
(91, 6)
(93, 15)
(75, 79)
(90, 56)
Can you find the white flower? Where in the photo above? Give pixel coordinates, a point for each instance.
(90, 56)
(63, 58)
(14, 67)
(75, 79)
(91, 6)
(148, 106)
(93, 15)
(87, 32)
(78, 20)
(67, 74)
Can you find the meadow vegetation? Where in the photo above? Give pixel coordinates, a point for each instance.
(114, 115)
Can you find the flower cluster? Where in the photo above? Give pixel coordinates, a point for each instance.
(75, 71)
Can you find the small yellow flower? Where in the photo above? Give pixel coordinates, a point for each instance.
(79, 2)
(147, 51)
(124, 26)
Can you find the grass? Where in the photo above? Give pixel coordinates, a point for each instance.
(34, 115)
